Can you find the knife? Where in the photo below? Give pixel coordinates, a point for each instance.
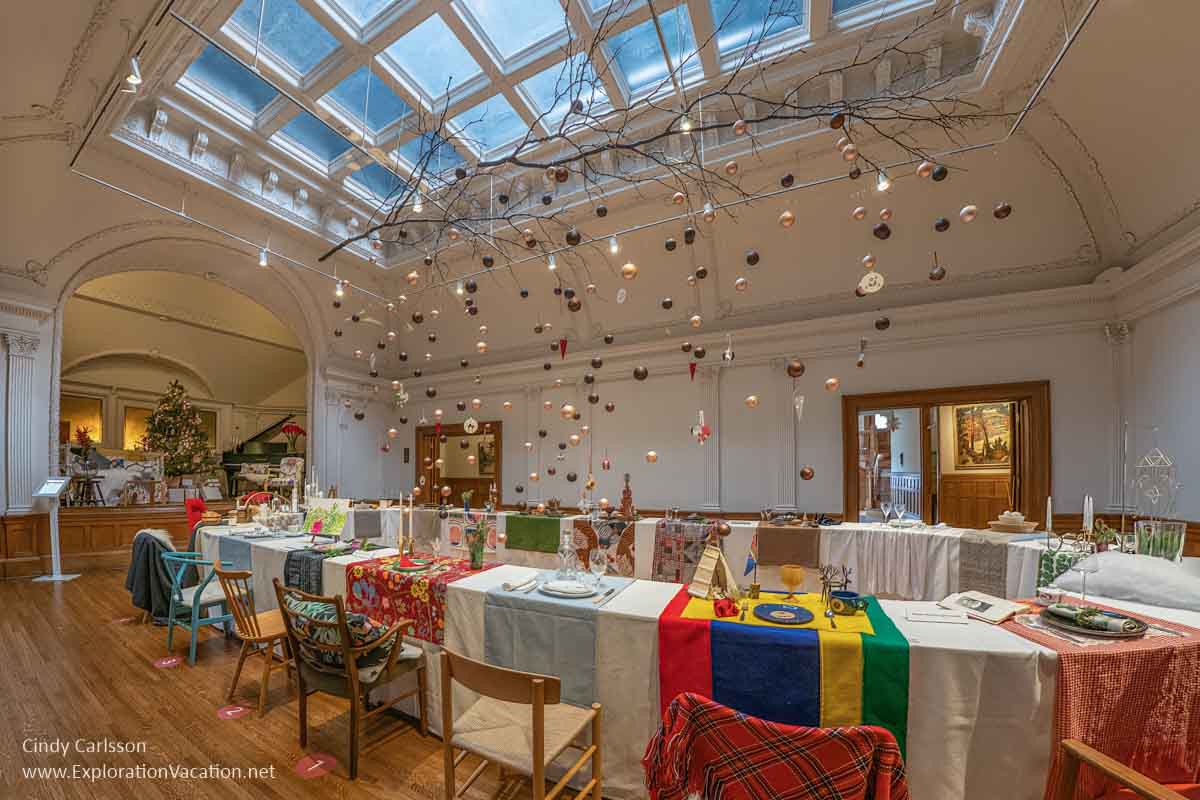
(602, 599)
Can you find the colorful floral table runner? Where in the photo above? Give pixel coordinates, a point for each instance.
(614, 536)
(385, 591)
(806, 674)
(1137, 700)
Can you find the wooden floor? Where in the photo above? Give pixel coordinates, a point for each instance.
(77, 665)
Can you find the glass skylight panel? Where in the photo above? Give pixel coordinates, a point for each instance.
(444, 155)
(363, 89)
(363, 11)
(740, 22)
(513, 26)
(553, 89)
(432, 55)
(640, 57)
(845, 5)
(312, 135)
(490, 124)
(221, 74)
(379, 182)
(288, 31)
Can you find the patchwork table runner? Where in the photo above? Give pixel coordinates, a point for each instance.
(678, 546)
(1136, 700)
(457, 523)
(427, 530)
(614, 536)
(789, 544)
(386, 592)
(983, 563)
(812, 674)
(525, 532)
(535, 632)
(302, 570)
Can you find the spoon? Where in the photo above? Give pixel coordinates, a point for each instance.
(829, 616)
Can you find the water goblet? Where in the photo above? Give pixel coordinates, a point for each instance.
(792, 577)
(598, 564)
(1085, 566)
(900, 509)
(886, 508)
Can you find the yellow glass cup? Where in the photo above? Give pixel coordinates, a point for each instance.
(792, 577)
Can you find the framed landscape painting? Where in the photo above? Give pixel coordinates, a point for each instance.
(983, 436)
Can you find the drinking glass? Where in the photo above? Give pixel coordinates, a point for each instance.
(598, 564)
(792, 577)
(887, 510)
(1085, 566)
(900, 509)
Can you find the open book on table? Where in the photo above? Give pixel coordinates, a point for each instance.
(983, 606)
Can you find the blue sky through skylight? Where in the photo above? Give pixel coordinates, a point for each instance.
(445, 156)
(491, 124)
(845, 5)
(288, 31)
(553, 89)
(363, 11)
(379, 182)
(432, 55)
(382, 105)
(312, 135)
(231, 80)
(640, 57)
(513, 26)
(742, 21)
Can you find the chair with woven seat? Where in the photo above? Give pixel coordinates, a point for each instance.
(1133, 784)
(260, 633)
(347, 655)
(519, 723)
(199, 598)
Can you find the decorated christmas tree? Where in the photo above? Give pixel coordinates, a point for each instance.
(175, 429)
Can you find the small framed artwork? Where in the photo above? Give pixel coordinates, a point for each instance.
(983, 436)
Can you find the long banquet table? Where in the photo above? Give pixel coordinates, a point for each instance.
(981, 699)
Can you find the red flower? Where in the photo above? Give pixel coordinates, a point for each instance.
(292, 429)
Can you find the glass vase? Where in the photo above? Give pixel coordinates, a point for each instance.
(1161, 538)
(475, 548)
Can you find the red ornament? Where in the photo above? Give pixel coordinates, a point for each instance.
(562, 349)
(692, 369)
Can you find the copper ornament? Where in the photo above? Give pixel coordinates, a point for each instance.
(731, 168)
(807, 472)
(752, 257)
(859, 213)
(925, 169)
(941, 225)
(651, 457)
(882, 230)
(832, 384)
(882, 323)
(629, 271)
(741, 285)
(968, 213)
(787, 219)
(751, 401)
(1002, 211)
(795, 368)
(610, 406)
(640, 373)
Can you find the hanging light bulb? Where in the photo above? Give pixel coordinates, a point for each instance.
(134, 78)
(685, 123)
(458, 288)
(613, 246)
(418, 206)
(339, 289)
(551, 263)
(882, 182)
(262, 257)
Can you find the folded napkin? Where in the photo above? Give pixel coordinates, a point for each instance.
(1092, 618)
(725, 607)
(521, 581)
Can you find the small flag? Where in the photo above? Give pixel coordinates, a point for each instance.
(752, 556)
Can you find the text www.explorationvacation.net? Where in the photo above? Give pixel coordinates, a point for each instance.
(79, 772)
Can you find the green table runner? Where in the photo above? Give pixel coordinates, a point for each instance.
(539, 534)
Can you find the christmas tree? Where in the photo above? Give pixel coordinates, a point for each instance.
(175, 429)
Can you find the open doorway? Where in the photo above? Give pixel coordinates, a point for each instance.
(890, 452)
(974, 446)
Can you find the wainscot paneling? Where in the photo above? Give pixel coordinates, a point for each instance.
(972, 501)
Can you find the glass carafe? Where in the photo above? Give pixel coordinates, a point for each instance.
(568, 560)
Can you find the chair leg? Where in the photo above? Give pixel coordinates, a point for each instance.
(448, 766)
(266, 681)
(597, 764)
(422, 701)
(303, 709)
(195, 633)
(171, 625)
(237, 672)
(354, 725)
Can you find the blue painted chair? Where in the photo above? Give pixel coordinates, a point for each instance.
(204, 595)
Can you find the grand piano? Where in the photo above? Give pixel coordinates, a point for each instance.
(255, 450)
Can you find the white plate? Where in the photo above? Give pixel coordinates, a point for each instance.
(571, 589)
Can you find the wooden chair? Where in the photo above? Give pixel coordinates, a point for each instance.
(204, 595)
(497, 729)
(1075, 752)
(260, 633)
(327, 660)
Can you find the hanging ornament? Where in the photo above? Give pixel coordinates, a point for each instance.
(740, 127)
(698, 351)
(941, 225)
(832, 384)
(337, 331)
(461, 405)
(418, 317)
(787, 180)
(855, 172)
(807, 472)
(605, 464)
(609, 338)
(1002, 211)
(741, 285)
(610, 406)
(859, 213)
(727, 353)
(678, 198)
(689, 235)
(882, 323)
(360, 415)
(562, 349)
(590, 483)
(597, 362)
(885, 214)
(751, 401)
(571, 477)
(574, 237)
(430, 392)
(542, 433)
(640, 373)
(666, 303)
(629, 271)
(686, 347)
(574, 439)
(589, 378)
(566, 411)
(601, 211)
(798, 405)
(795, 368)
(462, 362)
(547, 405)
(968, 213)
(413, 277)
(837, 120)
(940, 173)
(534, 477)
(651, 457)
(787, 219)
(507, 405)
(937, 271)
(701, 273)
(862, 353)
(882, 230)
(731, 168)
(670, 244)
(551, 471)
(925, 169)
(849, 152)
(868, 261)
(476, 403)
(385, 448)
(871, 282)
(700, 431)
(695, 321)
(593, 398)
(691, 279)
(692, 370)
(481, 347)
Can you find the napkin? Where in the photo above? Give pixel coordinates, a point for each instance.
(1095, 620)
(520, 581)
(725, 607)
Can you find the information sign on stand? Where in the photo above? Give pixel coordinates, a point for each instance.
(53, 489)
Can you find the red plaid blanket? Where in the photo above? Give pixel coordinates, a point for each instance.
(1136, 701)
(707, 748)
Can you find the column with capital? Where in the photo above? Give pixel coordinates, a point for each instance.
(19, 394)
(1119, 335)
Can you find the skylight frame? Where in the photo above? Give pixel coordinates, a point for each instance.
(234, 30)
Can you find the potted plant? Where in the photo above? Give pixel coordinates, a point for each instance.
(84, 445)
(476, 537)
(292, 432)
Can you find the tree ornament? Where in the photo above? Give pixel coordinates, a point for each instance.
(589, 378)
(787, 180)
(593, 398)
(670, 244)
(849, 153)
(678, 198)
(691, 279)
(741, 285)
(859, 213)
(731, 168)
(428, 260)
(832, 384)
(488, 262)
(695, 321)
(925, 169)
(403, 420)
(795, 368)
(787, 219)
(651, 457)
(432, 336)
(609, 338)
(542, 433)
(629, 271)
(358, 353)
(481, 347)
(842, 143)
(524, 293)
(574, 439)
(539, 327)
(551, 471)
(686, 347)
(640, 373)
(837, 120)
(689, 235)
(701, 273)
(547, 199)
(476, 403)
(698, 351)
(574, 237)
(807, 472)
(453, 234)
(547, 366)
(461, 405)
(752, 257)
(941, 225)
(337, 303)
(871, 282)
(968, 213)
(751, 401)
(430, 392)
(360, 415)
(417, 372)
(666, 303)
(882, 323)
(337, 331)
(601, 211)
(709, 214)
(561, 174)
(869, 261)
(597, 362)
(885, 214)
(937, 271)
(567, 411)
(882, 230)
(470, 285)
(855, 172)
(610, 406)
(1002, 211)
(418, 317)
(571, 477)
(740, 127)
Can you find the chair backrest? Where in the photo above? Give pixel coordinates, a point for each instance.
(238, 591)
(177, 564)
(291, 467)
(195, 510)
(1074, 752)
(317, 650)
(257, 498)
(499, 683)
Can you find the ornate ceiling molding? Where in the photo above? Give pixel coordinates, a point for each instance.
(34, 271)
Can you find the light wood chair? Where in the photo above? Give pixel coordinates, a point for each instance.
(260, 633)
(1075, 752)
(317, 629)
(498, 729)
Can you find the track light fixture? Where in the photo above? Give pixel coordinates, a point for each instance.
(262, 257)
(339, 289)
(882, 182)
(418, 205)
(613, 246)
(134, 78)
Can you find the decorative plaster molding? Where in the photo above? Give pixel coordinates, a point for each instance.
(34, 271)
(199, 145)
(35, 313)
(1117, 333)
(237, 166)
(158, 123)
(980, 24)
(270, 181)
(67, 136)
(300, 197)
(21, 344)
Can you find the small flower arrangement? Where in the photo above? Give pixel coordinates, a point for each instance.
(475, 537)
(292, 432)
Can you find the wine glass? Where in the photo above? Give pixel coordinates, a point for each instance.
(598, 564)
(900, 509)
(792, 577)
(1085, 566)
(886, 507)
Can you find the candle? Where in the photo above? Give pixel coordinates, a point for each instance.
(1049, 514)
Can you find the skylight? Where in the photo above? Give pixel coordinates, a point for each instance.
(513, 26)
(845, 5)
(364, 89)
(312, 135)
(432, 55)
(221, 74)
(490, 124)
(363, 11)
(548, 89)
(379, 182)
(640, 57)
(288, 31)
(444, 155)
(742, 21)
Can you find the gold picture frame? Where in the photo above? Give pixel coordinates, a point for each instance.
(983, 436)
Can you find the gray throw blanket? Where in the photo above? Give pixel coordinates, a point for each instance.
(148, 581)
(302, 570)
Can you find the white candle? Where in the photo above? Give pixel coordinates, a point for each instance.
(1049, 514)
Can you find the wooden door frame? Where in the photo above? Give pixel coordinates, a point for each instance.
(456, 429)
(1039, 469)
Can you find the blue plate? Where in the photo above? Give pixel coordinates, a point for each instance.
(783, 614)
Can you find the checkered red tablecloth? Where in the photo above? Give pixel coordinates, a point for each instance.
(1137, 701)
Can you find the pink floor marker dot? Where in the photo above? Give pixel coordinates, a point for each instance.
(314, 765)
(232, 712)
(123, 620)
(168, 662)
